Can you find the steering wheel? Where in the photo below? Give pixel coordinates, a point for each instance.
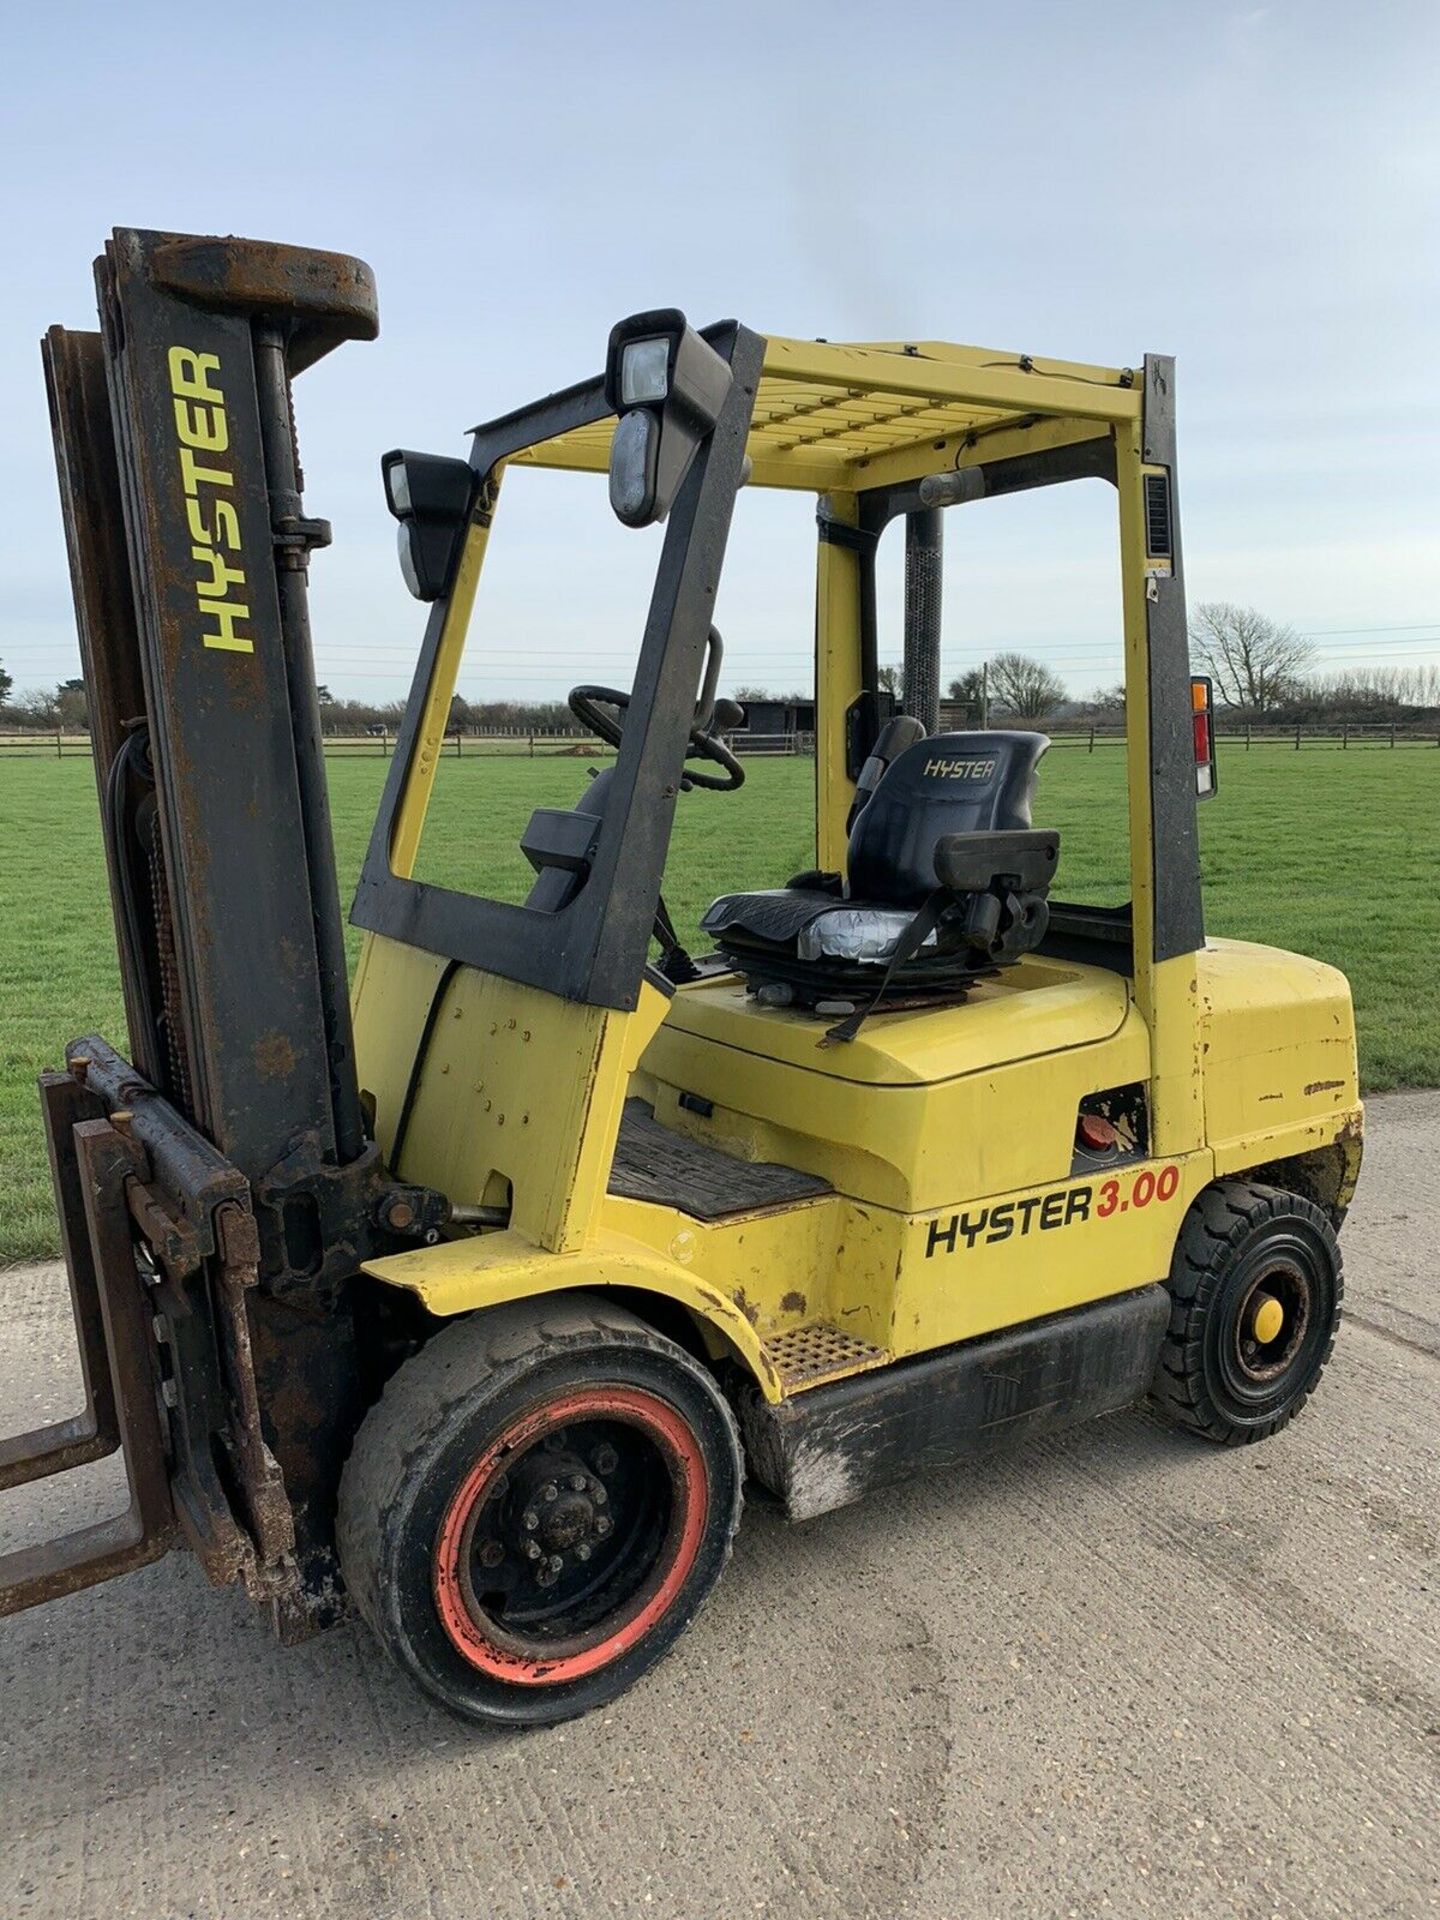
(588, 705)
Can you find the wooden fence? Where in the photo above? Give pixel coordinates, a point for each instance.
(491, 744)
(556, 743)
(1340, 736)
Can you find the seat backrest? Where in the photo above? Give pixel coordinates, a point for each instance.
(902, 730)
(949, 783)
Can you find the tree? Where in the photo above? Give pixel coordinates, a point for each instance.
(1256, 664)
(1024, 687)
(891, 680)
(37, 708)
(1365, 696)
(324, 696)
(1106, 703)
(72, 707)
(6, 684)
(971, 694)
(969, 688)
(742, 694)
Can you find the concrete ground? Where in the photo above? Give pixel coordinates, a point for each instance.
(1119, 1673)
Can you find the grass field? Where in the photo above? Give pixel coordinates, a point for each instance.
(1333, 854)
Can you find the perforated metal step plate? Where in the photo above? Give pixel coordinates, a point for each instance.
(806, 1356)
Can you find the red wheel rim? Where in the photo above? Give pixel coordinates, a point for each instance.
(483, 1641)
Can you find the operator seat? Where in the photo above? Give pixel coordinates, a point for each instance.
(947, 880)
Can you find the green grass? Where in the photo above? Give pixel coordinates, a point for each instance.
(1330, 853)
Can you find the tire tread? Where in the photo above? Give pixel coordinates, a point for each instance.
(1219, 1222)
(393, 1445)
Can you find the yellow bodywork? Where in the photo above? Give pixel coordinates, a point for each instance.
(946, 1136)
(833, 419)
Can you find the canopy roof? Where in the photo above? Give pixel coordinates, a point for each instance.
(834, 418)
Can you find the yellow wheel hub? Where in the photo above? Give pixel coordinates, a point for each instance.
(1266, 1319)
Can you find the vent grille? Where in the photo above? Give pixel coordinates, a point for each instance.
(1157, 515)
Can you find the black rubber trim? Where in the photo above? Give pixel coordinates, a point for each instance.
(839, 533)
(829, 1445)
(417, 1065)
(1174, 833)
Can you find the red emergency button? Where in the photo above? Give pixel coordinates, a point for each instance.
(1096, 1134)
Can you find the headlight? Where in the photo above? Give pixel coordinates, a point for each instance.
(406, 541)
(632, 467)
(668, 386)
(397, 488)
(430, 495)
(644, 372)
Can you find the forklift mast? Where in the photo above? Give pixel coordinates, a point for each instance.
(235, 961)
(233, 1135)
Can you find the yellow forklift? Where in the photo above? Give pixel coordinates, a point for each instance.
(477, 1296)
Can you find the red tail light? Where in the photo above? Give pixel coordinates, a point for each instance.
(1201, 694)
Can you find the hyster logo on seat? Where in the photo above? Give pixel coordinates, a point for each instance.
(959, 769)
(214, 524)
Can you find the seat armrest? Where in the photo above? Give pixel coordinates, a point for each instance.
(1025, 858)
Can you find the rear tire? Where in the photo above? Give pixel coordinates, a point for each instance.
(1256, 1286)
(536, 1508)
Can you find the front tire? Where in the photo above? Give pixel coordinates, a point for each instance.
(537, 1507)
(1256, 1286)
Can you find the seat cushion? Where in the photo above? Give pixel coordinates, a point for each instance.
(779, 914)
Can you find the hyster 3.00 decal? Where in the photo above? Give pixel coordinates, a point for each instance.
(1044, 1212)
(201, 428)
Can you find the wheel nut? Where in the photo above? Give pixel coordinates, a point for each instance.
(544, 1577)
(582, 1552)
(491, 1554)
(600, 1496)
(606, 1459)
(602, 1525)
(557, 1562)
(532, 1549)
(577, 1482)
(530, 1519)
(550, 1491)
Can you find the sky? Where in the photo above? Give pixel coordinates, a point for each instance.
(1254, 189)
